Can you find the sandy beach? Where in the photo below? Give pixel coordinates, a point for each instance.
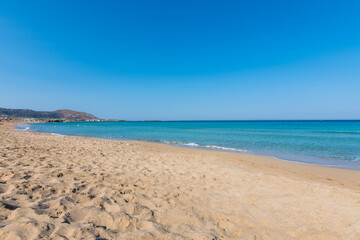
(62, 187)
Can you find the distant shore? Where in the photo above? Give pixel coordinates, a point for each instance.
(77, 187)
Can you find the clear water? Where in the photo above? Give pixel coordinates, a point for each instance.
(330, 143)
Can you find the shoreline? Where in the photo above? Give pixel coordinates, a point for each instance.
(69, 187)
(334, 161)
(343, 176)
(357, 168)
(349, 178)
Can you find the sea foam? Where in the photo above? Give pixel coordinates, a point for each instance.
(22, 127)
(197, 145)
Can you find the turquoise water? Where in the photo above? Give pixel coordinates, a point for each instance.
(330, 143)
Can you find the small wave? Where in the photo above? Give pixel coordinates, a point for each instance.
(196, 145)
(180, 143)
(22, 127)
(191, 144)
(226, 148)
(56, 134)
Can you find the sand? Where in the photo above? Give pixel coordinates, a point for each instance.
(57, 187)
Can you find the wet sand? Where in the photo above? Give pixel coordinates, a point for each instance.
(61, 187)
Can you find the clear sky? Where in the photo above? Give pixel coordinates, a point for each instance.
(183, 59)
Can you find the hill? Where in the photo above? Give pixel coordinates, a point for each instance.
(58, 114)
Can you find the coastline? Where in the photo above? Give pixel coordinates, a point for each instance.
(222, 195)
(346, 176)
(314, 143)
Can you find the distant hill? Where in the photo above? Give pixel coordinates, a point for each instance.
(74, 115)
(58, 114)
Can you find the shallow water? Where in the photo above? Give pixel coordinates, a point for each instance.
(329, 143)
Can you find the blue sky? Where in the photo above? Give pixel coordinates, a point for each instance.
(183, 59)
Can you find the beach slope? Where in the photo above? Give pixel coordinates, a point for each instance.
(59, 187)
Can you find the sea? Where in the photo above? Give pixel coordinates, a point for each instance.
(326, 143)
